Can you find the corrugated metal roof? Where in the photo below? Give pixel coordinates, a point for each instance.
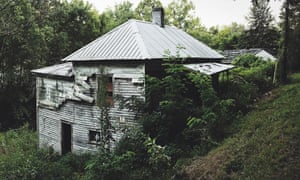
(139, 40)
(209, 68)
(62, 70)
(266, 56)
(231, 54)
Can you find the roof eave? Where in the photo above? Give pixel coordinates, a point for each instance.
(37, 74)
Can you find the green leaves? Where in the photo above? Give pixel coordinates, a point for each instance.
(143, 10)
(249, 61)
(34, 34)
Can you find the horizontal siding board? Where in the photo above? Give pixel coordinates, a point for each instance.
(84, 117)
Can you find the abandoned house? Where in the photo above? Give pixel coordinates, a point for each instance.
(67, 94)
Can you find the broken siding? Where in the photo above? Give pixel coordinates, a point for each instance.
(50, 124)
(127, 81)
(84, 116)
(52, 93)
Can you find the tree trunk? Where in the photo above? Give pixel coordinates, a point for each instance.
(283, 72)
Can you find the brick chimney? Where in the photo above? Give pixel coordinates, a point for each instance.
(158, 16)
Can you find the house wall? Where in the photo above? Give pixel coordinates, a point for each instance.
(84, 116)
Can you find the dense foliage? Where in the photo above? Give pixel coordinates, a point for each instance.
(172, 130)
(20, 158)
(34, 34)
(265, 144)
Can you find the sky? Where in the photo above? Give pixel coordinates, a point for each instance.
(210, 12)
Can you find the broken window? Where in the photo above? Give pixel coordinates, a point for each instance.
(105, 91)
(48, 95)
(53, 95)
(42, 90)
(42, 93)
(94, 137)
(109, 91)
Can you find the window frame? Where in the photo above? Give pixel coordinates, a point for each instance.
(109, 89)
(92, 136)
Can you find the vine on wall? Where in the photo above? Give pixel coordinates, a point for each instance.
(106, 127)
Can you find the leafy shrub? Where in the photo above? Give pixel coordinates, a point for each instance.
(132, 140)
(158, 160)
(251, 79)
(241, 91)
(256, 71)
(148, 161)
(76, 163)
(182, 108)
(261, 76)
(21, 159)
(110, 166)
(248, 61)
(168, 105)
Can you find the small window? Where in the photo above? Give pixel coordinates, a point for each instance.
(109, 91)
(94, 137)
(46, 93)
(53, 95)
(42, 93)
(105, 91)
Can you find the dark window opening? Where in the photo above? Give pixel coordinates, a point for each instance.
(105, 91)
(109, 91)
(94, 137)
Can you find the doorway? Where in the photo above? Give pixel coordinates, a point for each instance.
(66, 138)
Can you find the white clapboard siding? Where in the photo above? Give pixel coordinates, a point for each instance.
(84, 116)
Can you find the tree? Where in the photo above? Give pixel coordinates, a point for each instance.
(22, 47)
(121, 13)
(181, 14)
(143, 10)
(261, 32)
(227, 37)
(74, 24)
(33, 34)
(291, 27)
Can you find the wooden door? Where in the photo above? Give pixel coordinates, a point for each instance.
(66, 138)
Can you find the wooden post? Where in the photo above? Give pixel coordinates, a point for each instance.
(215, 81)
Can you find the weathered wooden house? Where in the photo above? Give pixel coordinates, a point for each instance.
(67, 94)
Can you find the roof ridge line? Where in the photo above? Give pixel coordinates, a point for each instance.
(140, 41)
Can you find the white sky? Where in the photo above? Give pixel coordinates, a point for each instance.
(210, 12)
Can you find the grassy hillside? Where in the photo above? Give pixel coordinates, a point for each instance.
(266, 144)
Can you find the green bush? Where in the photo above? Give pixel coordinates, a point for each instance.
(21, 159)
(248, 61)
(76, 163)
(261, 76)
(251, 79)
(106, 165)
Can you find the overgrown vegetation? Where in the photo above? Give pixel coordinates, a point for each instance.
(182, 117)
(106, 127)
(43, 32)
(20, 158)
(265, 145)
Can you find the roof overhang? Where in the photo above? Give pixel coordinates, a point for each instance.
(59, 70)
(209, 68)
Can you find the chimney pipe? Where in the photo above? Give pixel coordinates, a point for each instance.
(158, 16)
